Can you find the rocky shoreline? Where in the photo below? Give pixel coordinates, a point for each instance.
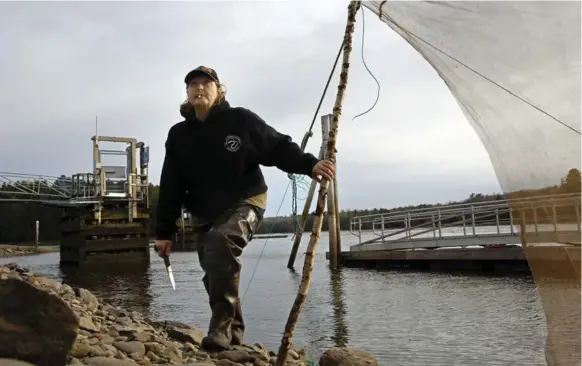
(17, 250)
(73, 327)
(9, 251)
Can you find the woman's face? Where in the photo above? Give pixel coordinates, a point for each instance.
(202, 92)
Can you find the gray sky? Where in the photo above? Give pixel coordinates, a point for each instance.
(64, 63)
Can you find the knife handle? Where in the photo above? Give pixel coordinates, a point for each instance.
(158, 251)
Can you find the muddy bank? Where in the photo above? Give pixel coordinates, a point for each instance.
(50, 323)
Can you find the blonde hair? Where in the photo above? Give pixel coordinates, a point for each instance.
(219, 99)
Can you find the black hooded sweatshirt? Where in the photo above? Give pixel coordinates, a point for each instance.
(210, 166)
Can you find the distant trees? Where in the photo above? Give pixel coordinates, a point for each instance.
(571, 183)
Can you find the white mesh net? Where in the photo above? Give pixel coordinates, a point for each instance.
(514, 69)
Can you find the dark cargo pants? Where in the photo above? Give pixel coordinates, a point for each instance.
(220, 245)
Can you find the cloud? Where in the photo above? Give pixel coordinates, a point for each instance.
(65, 63)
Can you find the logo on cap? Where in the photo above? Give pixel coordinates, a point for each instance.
(207, 69)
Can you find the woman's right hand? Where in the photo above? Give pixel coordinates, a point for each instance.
(163, 247)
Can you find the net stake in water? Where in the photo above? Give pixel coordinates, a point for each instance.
(318, 219)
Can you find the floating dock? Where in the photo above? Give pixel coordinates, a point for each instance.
(495, 236)
(510, 259)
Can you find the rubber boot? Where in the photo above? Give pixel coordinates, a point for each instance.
(223, 299)
(238, 326)
(223, 246)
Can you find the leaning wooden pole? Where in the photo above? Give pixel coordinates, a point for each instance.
(318, 216)
(304, 215)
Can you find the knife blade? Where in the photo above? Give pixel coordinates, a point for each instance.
(168, 268)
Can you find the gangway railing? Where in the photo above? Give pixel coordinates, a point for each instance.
(79, 188)
(19, 186)
(547, 214)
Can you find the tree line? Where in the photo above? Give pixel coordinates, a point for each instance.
(17, 219)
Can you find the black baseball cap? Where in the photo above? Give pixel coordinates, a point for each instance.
(202, 70)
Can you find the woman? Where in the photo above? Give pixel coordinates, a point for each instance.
(212, 168)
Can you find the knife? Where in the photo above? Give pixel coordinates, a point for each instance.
(168, 268)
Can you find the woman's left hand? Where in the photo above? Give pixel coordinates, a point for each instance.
(324, 169)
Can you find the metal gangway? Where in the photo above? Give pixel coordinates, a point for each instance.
(126, 182)
(36, 188)
(545, 219)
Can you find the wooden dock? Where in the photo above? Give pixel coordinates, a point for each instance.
(509, 259)
(486, 236)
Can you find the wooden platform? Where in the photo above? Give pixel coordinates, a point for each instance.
(82, 238)
(505, 259)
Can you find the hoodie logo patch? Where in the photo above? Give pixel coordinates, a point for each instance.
(232, 143)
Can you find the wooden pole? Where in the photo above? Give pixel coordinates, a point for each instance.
(304, 214)
(303, 220)
(331, 213)
(36, 235)
(337, 217)
(318, 219)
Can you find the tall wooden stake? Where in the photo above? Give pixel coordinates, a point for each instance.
(318, 219)
(331, 213)
(36, 235)
(337, 215)
(304, 214)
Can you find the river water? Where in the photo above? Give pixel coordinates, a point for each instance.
(403, 318)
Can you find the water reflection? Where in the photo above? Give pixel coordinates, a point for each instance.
(340, 329)
(295, 276)
(120, 281)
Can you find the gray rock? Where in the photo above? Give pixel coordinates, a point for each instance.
(66, 290)
(124, 330)
(152, 356)
(154, 347)
(202, 355)
(183, 334)
(105, 338)
(76, 362)
(341, 356)
(80, 349)
(174, 354)
(87, 298)
(12, 362)
(143, 336)
(240, 356)
(131, 347)
(50, 283)
(86, 323)
(99, 351)
(105, 361)
(27, 333)
(225, 362)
